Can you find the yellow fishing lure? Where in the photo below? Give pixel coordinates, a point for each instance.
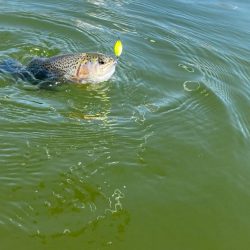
(118, 48)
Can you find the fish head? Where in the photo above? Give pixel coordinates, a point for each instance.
(96, 67)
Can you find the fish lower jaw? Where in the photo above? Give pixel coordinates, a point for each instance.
(98, 79)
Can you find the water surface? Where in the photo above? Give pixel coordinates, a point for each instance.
(157, 157)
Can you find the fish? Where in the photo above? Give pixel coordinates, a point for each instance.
(90, 67)
(80, 68)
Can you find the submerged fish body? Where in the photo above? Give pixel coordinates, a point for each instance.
(79, 68)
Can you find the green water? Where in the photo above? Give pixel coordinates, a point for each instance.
(157, 157)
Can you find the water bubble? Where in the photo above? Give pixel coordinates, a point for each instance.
(191, 85)
(66, 230)
(187, 68)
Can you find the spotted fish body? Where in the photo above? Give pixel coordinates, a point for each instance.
(79, 68)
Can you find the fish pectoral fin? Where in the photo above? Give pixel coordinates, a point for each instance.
(77, 79)
(72, 78)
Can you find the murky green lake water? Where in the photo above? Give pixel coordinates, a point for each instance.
(156, 158)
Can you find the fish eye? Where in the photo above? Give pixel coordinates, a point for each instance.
(101, 61)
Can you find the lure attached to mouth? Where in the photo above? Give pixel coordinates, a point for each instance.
(118, 48)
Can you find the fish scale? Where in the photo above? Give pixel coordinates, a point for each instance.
(58, 65)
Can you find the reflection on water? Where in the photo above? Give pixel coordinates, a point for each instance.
(96, 112)
(63, 197)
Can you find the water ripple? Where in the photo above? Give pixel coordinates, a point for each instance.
(178, 101)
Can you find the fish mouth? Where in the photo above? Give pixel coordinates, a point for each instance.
(110, 65)
(107, 72)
